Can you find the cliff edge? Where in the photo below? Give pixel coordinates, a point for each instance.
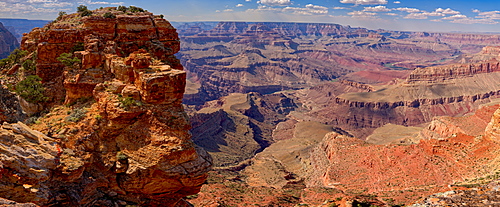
(109, 128)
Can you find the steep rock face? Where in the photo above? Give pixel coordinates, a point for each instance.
(10, 108)
(7, 42)
(131, 145)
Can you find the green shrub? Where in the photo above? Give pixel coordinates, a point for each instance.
(109, 15)
(68, 59)
(86, 13)
(60, 16)
(14, 58)
(29, 65)
(127, 102)
(76, 115)
(31, 89)
(122, 8)
(134, 9)
(83, 10)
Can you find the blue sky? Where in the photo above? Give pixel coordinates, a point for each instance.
(408, 15)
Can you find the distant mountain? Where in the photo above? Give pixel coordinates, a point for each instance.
(19, 26)
(7, 42)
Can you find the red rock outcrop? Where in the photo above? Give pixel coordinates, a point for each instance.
(125, 140)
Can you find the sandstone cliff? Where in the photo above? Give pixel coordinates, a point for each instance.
(121, 138)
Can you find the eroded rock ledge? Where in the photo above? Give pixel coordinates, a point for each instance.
(121, 137)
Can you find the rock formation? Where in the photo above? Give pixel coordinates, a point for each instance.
(121, 138)
(239, 57)
(236, 127)
(7, 42)
(451, 90)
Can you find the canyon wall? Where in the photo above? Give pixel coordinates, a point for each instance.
(239, 57)
(7, 42)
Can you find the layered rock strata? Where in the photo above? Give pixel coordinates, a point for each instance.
(453, 90)
(239, 57)
(125, 139)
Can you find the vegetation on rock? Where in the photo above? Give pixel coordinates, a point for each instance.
(68, 59)
(31, 89)
(83, 10)
(14, 58)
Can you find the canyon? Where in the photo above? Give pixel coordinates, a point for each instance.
(412, 97)
(287, 113)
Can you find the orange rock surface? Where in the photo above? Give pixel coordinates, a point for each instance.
(407, 172)
(122, 136)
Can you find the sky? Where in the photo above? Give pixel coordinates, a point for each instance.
(402, 15)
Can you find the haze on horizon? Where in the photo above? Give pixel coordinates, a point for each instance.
(403, 15)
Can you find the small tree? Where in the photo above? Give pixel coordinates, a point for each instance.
(61, 14)
(122, 8)
(68, 59)
(14, 58)
(109, 15)
(135, 9)
(29, 65)
(31, 89)
(83, 10)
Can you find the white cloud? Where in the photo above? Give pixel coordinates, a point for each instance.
(446, 11)
(416, 16)
(316, 7)
(409, 10)
(456, 16)
(397, 2)
(377, 9)
(361, 14)
(239, 5)
(248, 0)
(228, 10)
(363, 2)
(275, 2)
(40, 1)
(489, 15)
(309, 9)
(339, 7)
(476, 10)
(474, 21)
(391, 14)
(53, 4)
